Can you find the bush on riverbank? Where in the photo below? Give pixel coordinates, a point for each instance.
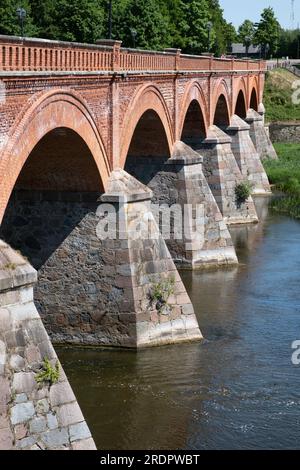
(285, 175)
(278, 96)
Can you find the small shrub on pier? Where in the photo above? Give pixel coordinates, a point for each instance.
(242, 192)
(49, 374)
(161, 292)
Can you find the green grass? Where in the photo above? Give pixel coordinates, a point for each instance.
(278, 96)
(285, 175)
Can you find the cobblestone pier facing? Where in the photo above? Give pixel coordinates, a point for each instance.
(33, 416)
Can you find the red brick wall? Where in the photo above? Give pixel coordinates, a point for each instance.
(104, 110)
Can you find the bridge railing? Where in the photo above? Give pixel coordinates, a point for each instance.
(26, 55)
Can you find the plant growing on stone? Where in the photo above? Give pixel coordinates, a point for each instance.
(242, 192)
(10, 266)
(48, 374)
(161, 291)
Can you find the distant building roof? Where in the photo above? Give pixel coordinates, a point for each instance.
(239, 48)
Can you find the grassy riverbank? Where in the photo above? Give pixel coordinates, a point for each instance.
(278, 96)
(285, 175)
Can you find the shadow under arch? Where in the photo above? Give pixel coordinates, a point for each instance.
(194, 126)
(241, 107)
(254, 100)
(148, 98)
(47, 112)
(149, 148)
(221, 115)
(193, 94)
(58, 185)
(51, 219)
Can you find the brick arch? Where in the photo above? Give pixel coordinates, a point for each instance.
(193, 92)
(50, 111)
(240, 91)
(147, 98)
(253, 99)
(221, 91)
(253, 89)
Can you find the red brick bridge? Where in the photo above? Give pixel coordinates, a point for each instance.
(73, 117)
(88, 132)
(104, 93)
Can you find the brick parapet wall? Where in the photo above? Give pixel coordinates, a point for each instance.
(28, 54)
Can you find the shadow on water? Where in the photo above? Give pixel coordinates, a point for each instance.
(236, 390)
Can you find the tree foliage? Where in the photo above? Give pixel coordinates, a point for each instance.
(268, 31)
(146, 18)
(246, 33)
(158, 23)
(9, 23)
(289, 43)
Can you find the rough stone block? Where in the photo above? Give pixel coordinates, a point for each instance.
(26, 443)
(22, 412)
(69, 414)
(21, 398)
(61, 393)
(42, 406)
(79, 431)
(85, 444)
(24, 382)
(6, 439)
(55, 438)
(37, 425)
(52, 421)
(17, 362)
(20, 431)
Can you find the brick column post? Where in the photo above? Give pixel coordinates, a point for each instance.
(116, 48)
(176, 53)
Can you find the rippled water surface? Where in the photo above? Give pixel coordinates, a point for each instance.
(236, 390)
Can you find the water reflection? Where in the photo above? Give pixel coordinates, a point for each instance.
(237, 389)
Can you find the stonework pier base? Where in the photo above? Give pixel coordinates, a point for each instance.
(155, 308)
(95, 289)
(33, 415)
(206, 241)
(223, 176)
(259, 136)
(247, 157)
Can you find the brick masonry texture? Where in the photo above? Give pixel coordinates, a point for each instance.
(32, 416)
(104, 110)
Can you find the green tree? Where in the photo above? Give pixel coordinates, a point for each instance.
(246, 33)
(9, 23)
(158, 23)
(193, 27)
(289, 43)
(69, 20)
(146, 18)
(230, 35)
(268, 32)
(224, 33)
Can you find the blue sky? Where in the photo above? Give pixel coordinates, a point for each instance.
(237, 11)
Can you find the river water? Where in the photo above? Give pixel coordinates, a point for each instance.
(236, 390)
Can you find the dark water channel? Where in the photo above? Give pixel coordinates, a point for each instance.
(236, 390)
